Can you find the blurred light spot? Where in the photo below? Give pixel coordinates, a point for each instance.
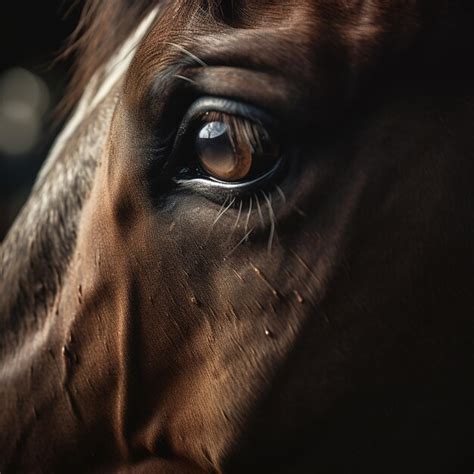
(24, 100)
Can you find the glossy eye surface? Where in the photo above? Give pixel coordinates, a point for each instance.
(232, 149)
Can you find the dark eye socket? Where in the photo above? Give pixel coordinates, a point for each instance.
(227, 145)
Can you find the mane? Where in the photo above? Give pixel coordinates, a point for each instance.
(103, 26)
(37, 249)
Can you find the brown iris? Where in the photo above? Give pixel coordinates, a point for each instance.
(231, 148)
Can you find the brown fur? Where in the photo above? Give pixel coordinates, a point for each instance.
(348, 348)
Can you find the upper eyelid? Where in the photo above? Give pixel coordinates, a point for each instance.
(229, 107)
(225, 106)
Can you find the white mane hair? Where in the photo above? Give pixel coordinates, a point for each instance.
(37, 249)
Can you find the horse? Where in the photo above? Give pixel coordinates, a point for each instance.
(250, 249)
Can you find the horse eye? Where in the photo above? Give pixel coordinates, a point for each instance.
(232, 149)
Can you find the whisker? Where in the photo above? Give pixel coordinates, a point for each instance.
(248, 215)
(236, 223)
(238, 217)
(188, 53)
(300, 212)
(154, 150)
(241, 241)
(223, 210)
(187, 79)
(271, 215)
(281, 193)
(259, 210)
(221, 213)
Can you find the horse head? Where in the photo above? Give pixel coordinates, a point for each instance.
(251, 247)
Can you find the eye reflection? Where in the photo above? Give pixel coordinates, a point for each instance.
(218, 156)
(230, 148)
(213, 130)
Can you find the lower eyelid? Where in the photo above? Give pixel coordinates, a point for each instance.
(219, 190)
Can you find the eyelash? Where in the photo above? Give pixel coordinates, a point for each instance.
(241, 208)
(244, 129)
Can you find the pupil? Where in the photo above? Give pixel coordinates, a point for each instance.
(216, 153)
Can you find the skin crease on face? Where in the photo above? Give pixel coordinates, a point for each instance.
(336, 337)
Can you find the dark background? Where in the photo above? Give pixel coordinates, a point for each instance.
(32, 35)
